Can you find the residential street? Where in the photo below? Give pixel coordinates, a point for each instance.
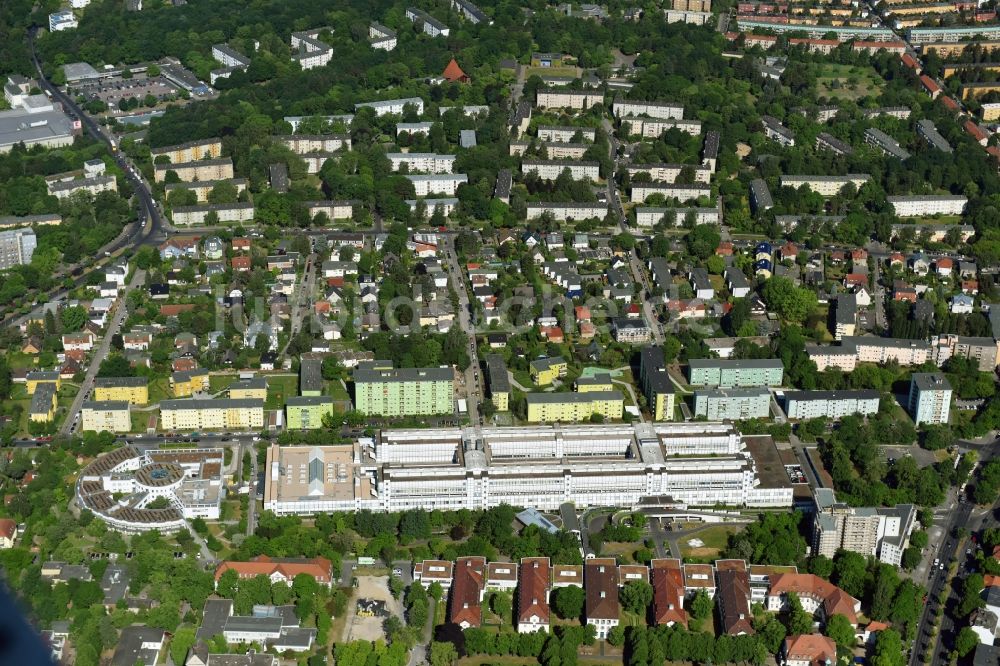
(138, 279)
(473, 390)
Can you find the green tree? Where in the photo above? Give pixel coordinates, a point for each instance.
(701, 605)
(183, 640)
(888, 649)
(73, 318)
(703, 240)
(616, 636)
(443, 654)
(568, 602)
(501, 604)
(839, 628)
(636, 596)
(966, 641)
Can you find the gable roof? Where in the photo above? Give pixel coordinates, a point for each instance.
(833, 599)
(814, 648)
(453, 72)
(532, 594)
(601, 585)
(668, 592)
(317, 567)
(465, 596)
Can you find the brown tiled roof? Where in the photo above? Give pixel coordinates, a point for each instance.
(532, 592)
(699, 576)
(465, 596)
(833, 599)
(501, 571)
(814, 648)
(630, 572)
(601, 584)
(668, 592)
(317, 567)
(427, 570)
(567, 574)
(7, 528)
(734, 602)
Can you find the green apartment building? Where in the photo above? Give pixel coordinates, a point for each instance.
(735, 373)
(307, 412)
(404, 391)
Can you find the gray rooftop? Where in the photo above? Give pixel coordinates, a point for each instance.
(930, 381)
(213, 403)
(367, 376)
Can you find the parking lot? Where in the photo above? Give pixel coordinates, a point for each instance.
(113, 90)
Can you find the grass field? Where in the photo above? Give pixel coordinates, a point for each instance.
(847, 82)
(715, 539)
(159, 389)
(553, 71)
(279, 389)
(218, 383)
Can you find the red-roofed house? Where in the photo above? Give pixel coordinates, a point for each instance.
(8, 530)
(809, 650)
(241, 244)
(533, 595)
(976, 132)
(582, 313)
(897, 259)
(763, 41)
(910, 62)
(587, 330)
(241, 263)
(970, 287)
(280, 569)
(824, 46)
(815, 594)
(725, 249)
(668, 592)
(944, 266)
(855, 280)
(930, 85)
(552, 334)
(860, 254)
(949, 102)
(788, 251)
(466, 595)
(994, 151)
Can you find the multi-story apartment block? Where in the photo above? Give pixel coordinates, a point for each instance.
(334, 210)
(651, 128)
(544, 371)
(381, 37)
(430, 206)
(17, 246)
(471, 12)
(880, 532)
(825, 141)
(817, 31)
(422, 162)
(185, 383)
(393, 106)
(404, 392)
(199, 215)
(430, 25)
(42, 408)
(760, 195)
(574, 407)
(192, 151)
(446, 183)
(642, 191)
(983, 350)
(826, 186)
(930, 397)
(550, 170)
(134, 390)
(956, 33)
(648, 217)
(202, 189)
(303, 144)
(668, 173)
(304, 412)
(227, 56)
(930, 133)
(254, 388)
(726, 373)
(567, 211)
(732, 404)
(656, 384)
(631, 331)
(64, 20)
(215, 169)
(663, 110)
(37, 378)
(110, 416)
(774, 130)
(63, 189)
(885, 144)
(926, 205)
(499, 382)
(553, 150)
(308, 50)
(558, 98)
(883, 350)
(214, 414)
(601, 586)
(830, 404)
(554, 134)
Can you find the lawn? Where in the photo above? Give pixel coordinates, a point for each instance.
(140, 419)
(715, 539)
(552, 71)
(218, 383)
(279, 389)
(159, 389)
(847, 82)
(18, 361)
(337, 391)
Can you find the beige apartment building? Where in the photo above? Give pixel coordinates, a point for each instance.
(110, 416)
(192, 151)
(214, 414)
(668, 173)
(201, 189)
(303, 144)
(554, 98)
(220, 169)
(826, 186)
